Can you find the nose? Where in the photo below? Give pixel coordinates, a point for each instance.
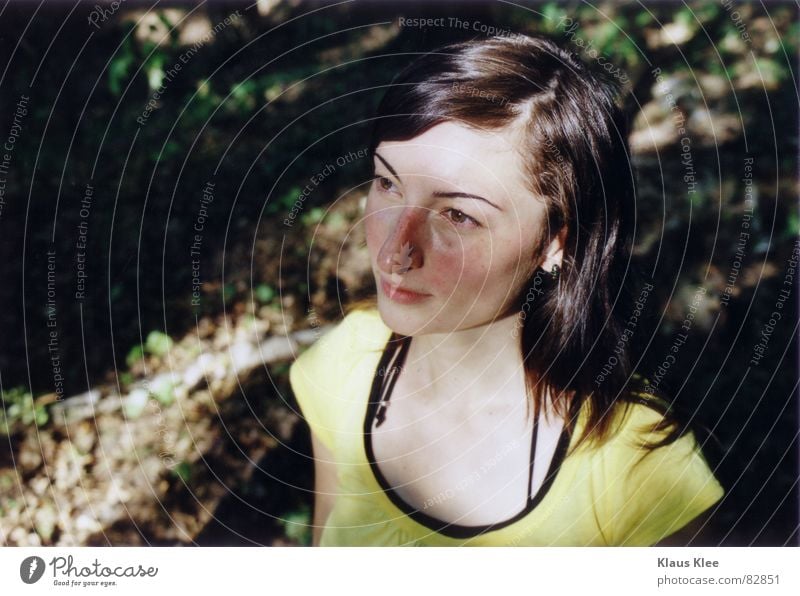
(402, 249)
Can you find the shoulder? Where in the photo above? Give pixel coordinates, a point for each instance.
(651, 493)
(337, 348)
(318, 377)
(638, 418)
(638, 455)
(359, 330)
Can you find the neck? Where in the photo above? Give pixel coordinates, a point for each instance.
(482, 360)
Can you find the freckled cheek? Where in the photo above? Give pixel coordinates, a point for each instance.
(455, 269)
(376, 229)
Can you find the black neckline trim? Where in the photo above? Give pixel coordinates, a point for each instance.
(449, 529)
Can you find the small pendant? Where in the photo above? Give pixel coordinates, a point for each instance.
(380, 416)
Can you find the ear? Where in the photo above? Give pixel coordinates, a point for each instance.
(555, 250)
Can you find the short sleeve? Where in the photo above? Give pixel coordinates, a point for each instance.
(653, 495)
(316, 378)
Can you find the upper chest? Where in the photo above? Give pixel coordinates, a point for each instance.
(461, 458)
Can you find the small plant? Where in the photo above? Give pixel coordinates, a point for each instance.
(19, 407)
(164, 392)
(264, 293)
(183, 471)
(156, 344)
(135, 354)
(297, 525)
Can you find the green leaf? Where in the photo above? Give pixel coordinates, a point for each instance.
(183, 471)
(313, 217)
(228, 292)
(264, 293)
(297, 525)
(686, 16)
(41, 416)
(154, 69)
(553, 14)
(116, 291)
(164, 392)
(157, 343)
(792, 224)
(706, 12)
(643, 18)
(6, 482)
(135, 355)
(280, 369)
(120, 66)
(284, 203)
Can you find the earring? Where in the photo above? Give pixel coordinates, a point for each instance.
(555, 271)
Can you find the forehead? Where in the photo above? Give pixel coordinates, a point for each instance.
(472, 160)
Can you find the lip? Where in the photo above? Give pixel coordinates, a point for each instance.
(401, 295)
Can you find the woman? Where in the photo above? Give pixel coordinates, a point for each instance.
(467, 408)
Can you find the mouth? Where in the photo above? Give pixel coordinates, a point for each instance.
(401, 295)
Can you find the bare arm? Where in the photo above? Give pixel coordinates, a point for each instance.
(325, 487)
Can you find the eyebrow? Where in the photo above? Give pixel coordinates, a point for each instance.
(441, 194)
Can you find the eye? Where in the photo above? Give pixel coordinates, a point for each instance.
(461, 219)
(385, 184)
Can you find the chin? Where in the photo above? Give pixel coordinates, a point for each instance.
(404, 319)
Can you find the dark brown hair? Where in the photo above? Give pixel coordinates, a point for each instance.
(576, 155)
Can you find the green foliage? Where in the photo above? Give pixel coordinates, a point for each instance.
(297, 525)
(643, 19)
(280, 369)
(183, 471)
(771, 71)
(158, 343)
(120, 66)
(135, 354)
(228, 292)
(19, 407)
(283, 204)
(792, 225)
(164, 392)
(264, 293)
(706, 12)
(553, 13)
(154, 67)
(313, 216)
(244, 95)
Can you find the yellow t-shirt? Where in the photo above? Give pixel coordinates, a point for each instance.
(607, 496)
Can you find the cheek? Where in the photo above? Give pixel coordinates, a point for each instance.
(456, 268)
(476, 270)
(375, 228)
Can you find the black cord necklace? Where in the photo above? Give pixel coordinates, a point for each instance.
(390, 373)
(391, 370)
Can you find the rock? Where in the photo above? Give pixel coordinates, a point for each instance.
(84, 438)
(30, 454)
(135, 403)
(87, 524)
(196, 371)
(243, 356)
(39, 485)
(45, 520)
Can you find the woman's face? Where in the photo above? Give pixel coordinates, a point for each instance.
(449, 218)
